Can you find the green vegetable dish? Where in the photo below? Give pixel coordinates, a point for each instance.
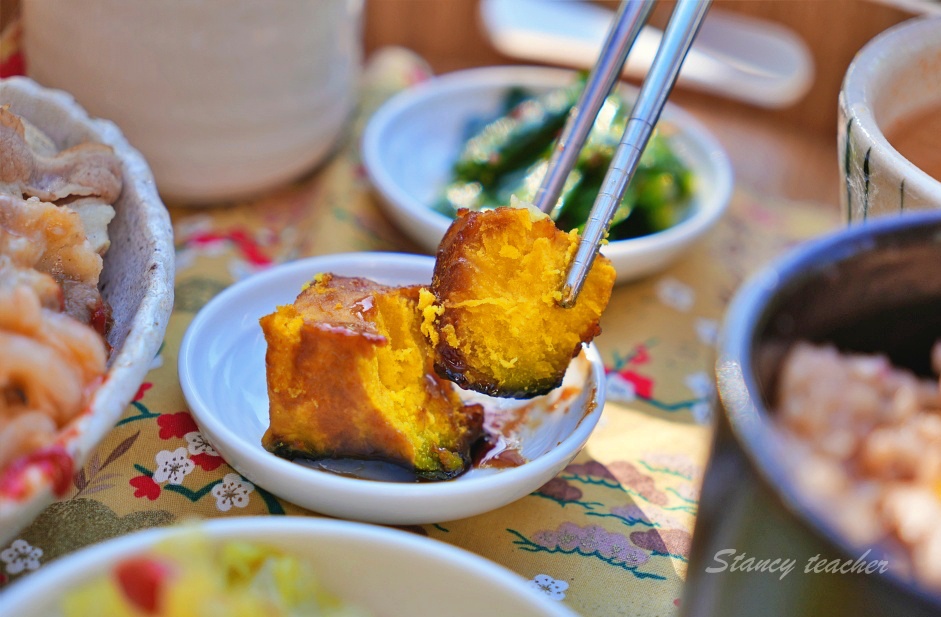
(508, 157)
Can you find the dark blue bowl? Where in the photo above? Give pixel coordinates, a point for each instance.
(874, 287)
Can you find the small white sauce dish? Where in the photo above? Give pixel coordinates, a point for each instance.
(372, 567)
(410, 144)
(222, 373)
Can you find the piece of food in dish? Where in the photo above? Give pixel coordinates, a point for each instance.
(85, 177)
(492, 314)
(509, 156)
(192, 577)
(350, 377)
(57, 206)
(865, 437)
(52, 317)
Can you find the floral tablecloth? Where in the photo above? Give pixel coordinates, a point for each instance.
(610, 535)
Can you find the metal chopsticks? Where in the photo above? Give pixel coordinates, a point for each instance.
(677, 38)
(627, 24)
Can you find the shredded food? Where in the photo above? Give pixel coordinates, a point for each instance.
(865, 437)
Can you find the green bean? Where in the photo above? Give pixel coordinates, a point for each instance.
(508, 157)
(516, 139)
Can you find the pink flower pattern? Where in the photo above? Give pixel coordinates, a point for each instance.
(591, 540)
(664, 542)
(559, 489)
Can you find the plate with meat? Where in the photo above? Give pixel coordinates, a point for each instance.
(86, 288)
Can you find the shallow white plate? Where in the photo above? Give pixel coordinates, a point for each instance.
(222, 372)
(385, 571)
(412, 141)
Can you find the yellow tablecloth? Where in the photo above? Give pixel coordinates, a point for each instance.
(609, 536)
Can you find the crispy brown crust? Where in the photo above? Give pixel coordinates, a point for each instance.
(450, 276)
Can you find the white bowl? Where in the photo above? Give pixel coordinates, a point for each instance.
(412, 141)
(137, 280)
(222, 372)
(894, 76)
(385, 571)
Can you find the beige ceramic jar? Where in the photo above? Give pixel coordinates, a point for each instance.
(225, 98)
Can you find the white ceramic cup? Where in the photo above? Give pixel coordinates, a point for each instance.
(225, 98)
(895, 75)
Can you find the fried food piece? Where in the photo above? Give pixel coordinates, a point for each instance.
(95, 215)
(47, 362)
(350, 376)
(54, 212)
(492, 313)
(51, 239)
(52, 315)
(27, 169)
(86, 177)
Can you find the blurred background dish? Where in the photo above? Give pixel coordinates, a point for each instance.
(889, 125)
(867, 289)
(752, 60)
(412, 142)
(136, 280)
(222, 372)
(373, 567)
(225, 99)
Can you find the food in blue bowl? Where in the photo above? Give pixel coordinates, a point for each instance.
(821, 494)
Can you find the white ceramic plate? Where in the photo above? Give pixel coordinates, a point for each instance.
(385, 571)
(137, 281)
(222, 372)
(412, 141)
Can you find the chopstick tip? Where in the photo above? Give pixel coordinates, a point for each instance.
(569, 296)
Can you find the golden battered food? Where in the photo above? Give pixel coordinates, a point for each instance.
(492, 313)
(350, 376)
